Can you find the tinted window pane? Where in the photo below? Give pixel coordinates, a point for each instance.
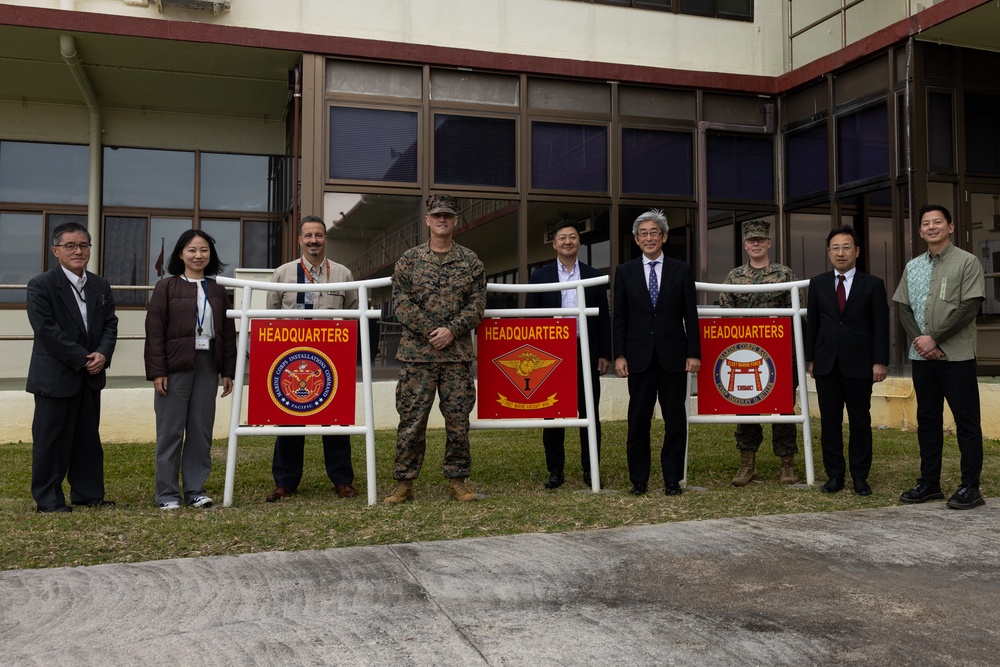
(982, 133)
(863, 145)
(43, 173)
(807, 168)
(20, 252)
(569, 157)
(373, 144)
(235, 182)
(126, 257)
(148, 179)
(475, 151)
(227, 242)
(655, 162)
(261, 244)
(737, 8)
(740, 167)
(163, 235)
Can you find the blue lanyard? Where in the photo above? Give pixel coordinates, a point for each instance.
(204, 305)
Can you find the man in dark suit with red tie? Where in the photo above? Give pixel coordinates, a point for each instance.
(656, 342)
(847, 349)
(72, 314)
(566, 243)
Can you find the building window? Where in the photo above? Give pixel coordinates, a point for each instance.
(940, 131)
(740, 167)
(137, 177)
(239, 182)
(43, 173)
(723, 9)
(373, 145)
(862, 146)
(982, 133)
(23, 240)
(565, 156)
(470, 150)
(807, 162)
(657, 163)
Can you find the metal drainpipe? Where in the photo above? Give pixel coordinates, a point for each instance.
(703, 127)
(67, 47)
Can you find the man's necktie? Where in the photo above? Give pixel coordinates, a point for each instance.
(841, 292)
(654, 285)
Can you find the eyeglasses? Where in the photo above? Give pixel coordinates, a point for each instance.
(645, 234)
(838, 248)
(756, 241)
(73, 247)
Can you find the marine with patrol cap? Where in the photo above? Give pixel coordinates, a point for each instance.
(760, 270)
(439, 296)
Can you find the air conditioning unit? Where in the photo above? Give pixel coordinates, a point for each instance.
(215, 6)
(584, 226)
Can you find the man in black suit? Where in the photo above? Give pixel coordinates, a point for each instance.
(657, 344)
(73, 317)
(847, 349)
(566, 243)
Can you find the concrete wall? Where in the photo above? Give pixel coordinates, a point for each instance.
(128, 413)
(586, 32)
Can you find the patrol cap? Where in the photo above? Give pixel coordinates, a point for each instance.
(441, 204)
(756, 229)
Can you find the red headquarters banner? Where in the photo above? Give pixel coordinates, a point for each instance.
(302, 372)
(746, 366)
(527, 368)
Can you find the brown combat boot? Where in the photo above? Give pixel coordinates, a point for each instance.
(747, 471)
(788, 475)
(460, 492)
(403, 493)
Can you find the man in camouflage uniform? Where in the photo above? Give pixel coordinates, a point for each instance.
(760, 270)
(439, 295)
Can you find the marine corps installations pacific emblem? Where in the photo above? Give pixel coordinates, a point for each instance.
(302, 381)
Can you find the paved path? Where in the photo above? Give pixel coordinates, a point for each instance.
(895, 586)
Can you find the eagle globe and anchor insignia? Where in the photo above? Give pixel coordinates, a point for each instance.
(302, 381)
(744, 374)
(526, 368)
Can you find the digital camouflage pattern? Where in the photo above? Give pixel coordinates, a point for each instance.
(418, 382)
(750, 436)
(747, 275)
(428, 294)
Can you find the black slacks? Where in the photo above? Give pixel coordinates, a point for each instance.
(289, 454)
(644, 390)
(956, 381)
(553, 439)
(834, 393)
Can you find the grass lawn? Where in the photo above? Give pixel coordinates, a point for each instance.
(508, 467)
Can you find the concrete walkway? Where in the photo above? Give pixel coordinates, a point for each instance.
(894, 586)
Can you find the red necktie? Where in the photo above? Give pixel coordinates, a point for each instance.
(841, 292)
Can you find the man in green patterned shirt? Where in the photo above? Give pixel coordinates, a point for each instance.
(939, 297)
(760, 270)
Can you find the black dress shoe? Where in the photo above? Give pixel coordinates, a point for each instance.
(921, 493)
(862, 488)
(554, 481)
(57, 508)
(833, 485)
(638, 490)
(97, 502)
(673, 489)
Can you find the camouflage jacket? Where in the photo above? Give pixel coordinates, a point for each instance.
(428, 294)
(747, 275)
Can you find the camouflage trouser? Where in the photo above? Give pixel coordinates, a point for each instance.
(418, 382)
(783, 436)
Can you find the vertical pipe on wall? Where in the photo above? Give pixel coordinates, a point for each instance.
(67, 48)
